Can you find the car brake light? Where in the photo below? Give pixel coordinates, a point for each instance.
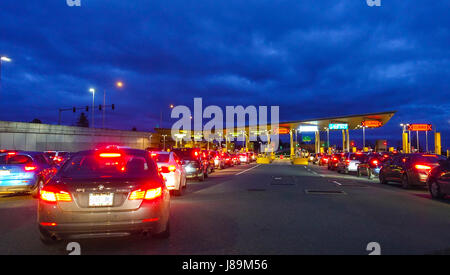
(110, 155)
(51, 196)
(48, 223)
(375, 162)
(137, 195)
(30, 168)
(145, 194)
(12, 153)
(153, 193)
(422, 167)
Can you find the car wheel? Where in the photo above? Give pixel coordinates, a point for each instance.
(382, 179)
(435, 190)
(405, 182)
(165, 234)
(35, 191)
(179, 192)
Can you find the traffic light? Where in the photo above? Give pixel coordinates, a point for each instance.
(352, 144)
(74, 109)
(100, 107)
(112, 106)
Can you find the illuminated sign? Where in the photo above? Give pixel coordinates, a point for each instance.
(308, 128)
(420, 127)
(306, 139)
(283, 131)
(372, 123)
(338, 126)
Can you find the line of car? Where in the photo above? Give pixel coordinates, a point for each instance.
(110, 191)
(426, 170)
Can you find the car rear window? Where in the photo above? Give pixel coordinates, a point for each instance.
(87, 166)
(50, 154)
(429, 158)
(185, 154)
(359, 157)
(161, 157)
(16, 159)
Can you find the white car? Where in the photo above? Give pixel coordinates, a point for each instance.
(350, 162)
(171, 167)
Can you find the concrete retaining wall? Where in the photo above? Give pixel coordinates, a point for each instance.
(43, 137)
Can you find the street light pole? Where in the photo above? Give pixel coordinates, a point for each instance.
(164, 140)
(104, 108)
(2, 59)
(92, 90)
(417, 137)
(364, 137)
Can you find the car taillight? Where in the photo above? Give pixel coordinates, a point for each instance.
(347, 161)
(54, 196)
(48, 223)
(30, 168)
(422, 167)
(375, 162)
(145, 194)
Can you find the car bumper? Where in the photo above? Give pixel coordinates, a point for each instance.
(418, 179)
(151, 217)
(171, 181)
(17, 188)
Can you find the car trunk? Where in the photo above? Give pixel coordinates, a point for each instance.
(102, 195)
(14, 172)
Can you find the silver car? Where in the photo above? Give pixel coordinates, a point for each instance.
(349, 162)
(111, 192)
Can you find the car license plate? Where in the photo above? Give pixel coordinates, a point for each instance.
(101, 199)
(5, 172)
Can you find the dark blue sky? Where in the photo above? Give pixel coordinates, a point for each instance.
(315, 58)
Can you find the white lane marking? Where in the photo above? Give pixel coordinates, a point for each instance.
(247, 170)
(337, 182)
(314, 172)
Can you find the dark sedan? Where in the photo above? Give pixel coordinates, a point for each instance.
(409, 169)
(439, 180)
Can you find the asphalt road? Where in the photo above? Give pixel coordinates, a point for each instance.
(267, 209)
